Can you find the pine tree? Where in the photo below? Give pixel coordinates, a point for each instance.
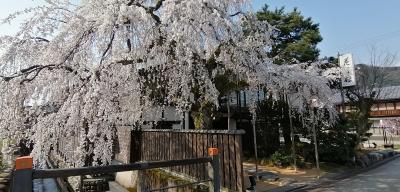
(295, 37)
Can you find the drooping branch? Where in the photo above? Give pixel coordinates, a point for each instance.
(36, 69)
(236, 14)
(109, 45)
(149, 10)
(58, 20)
(41, 39)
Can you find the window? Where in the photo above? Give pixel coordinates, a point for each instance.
(390, 106)
(339, 108)
(398, 105)
(374, 107)
(382, 107)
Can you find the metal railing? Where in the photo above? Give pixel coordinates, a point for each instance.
(24, 172)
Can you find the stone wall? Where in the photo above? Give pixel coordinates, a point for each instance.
(123, 144)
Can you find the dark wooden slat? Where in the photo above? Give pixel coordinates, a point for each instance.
(200, 152)
(156, 151)
(148, 146)
(156, 155)
(176, 151)
(190, 153)
(209, 145)
(226, 169)
(232, 163)
(196, 148)
(187, 152)
(143, 151)
(239, 164)
(183, 151)
(169, 145)
(205, 154)
(153, 147)
(162, 146)
(220, 146)
(179, 150)
(172, 142)
(173, 149)
(159, 147)
(146, 152)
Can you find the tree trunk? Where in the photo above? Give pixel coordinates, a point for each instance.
(286, 134)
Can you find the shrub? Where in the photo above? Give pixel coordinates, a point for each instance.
(281, 159)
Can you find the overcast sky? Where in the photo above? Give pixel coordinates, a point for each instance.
(346, 26)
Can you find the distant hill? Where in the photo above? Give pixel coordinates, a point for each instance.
(392, 75)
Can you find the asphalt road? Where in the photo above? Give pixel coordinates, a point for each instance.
(381, 179)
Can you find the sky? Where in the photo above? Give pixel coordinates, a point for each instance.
(350, 26)
(346, 26)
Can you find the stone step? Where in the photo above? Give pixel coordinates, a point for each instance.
(3, 187)
(115, 187)
(4, 181)
(5, 175)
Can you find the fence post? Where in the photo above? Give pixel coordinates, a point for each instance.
(22, 179)
(213, 170)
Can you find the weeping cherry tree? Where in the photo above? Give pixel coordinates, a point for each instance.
(79, 69)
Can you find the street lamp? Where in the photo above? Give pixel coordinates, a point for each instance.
(315, 104)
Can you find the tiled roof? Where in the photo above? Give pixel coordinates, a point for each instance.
(387, 93)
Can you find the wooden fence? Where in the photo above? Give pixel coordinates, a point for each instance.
(160, 145)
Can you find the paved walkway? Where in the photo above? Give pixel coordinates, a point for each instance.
(384, 178)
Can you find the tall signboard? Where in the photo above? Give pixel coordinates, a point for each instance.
(347, 66)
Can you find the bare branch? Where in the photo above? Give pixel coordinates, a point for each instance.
(109, 45)
(41, 39)
(236, 14)
(149, 10)
(59, 20)
(36, 69)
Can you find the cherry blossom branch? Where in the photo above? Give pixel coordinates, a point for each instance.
(33, 69)
(59, 20)
(109, 45)
(149, 10)
(36, 69)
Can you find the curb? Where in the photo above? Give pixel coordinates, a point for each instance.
(358, 171)
(332, 178)
(341, 176)
(288, 188)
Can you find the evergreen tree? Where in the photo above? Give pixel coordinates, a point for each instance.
(295, 41)
(295, 37)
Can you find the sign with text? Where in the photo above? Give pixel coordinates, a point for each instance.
(347, 66)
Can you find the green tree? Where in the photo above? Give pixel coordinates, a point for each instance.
(295, 37)
(295, 40)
